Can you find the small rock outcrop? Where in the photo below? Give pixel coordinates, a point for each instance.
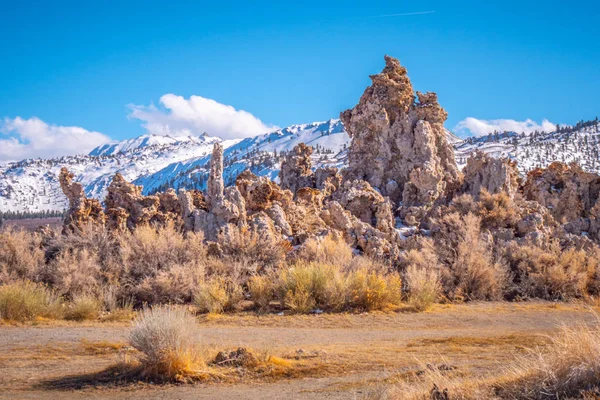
(81, 209)
(570, 194)
(226, 207)
(494, 175)
(296, 172)
(398, 144)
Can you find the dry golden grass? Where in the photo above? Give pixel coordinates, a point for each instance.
(314, 285)
(217, 295)
(83, 307)
(424, 287)
(262, 291)
(567, 367)
(26, 301)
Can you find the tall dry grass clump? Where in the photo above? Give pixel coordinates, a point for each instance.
(424, 287)
(307, 286)
(370, 291)
(169, 343)
(26, 301)
(217, 295)
(262, 291)
(83, 307)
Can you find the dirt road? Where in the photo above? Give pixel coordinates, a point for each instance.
(353, 354)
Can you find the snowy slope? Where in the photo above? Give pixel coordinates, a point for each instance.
(32, 185)
(580, 145)
(261, 154)
(159, 162)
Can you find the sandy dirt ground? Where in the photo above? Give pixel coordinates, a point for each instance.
(343, 356)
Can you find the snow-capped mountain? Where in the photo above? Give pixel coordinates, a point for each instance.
(159, 162)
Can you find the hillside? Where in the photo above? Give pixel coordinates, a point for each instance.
(158, 162)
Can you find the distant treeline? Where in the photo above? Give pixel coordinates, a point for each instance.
(9, 215)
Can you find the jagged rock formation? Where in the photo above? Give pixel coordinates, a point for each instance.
(296, 172)
(226, 207)
(81, 209)
(401, 168)
(398, 145)
(494, 175)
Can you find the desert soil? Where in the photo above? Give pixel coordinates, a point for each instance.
(350, 354)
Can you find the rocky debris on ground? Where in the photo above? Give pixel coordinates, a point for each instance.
(236, 358)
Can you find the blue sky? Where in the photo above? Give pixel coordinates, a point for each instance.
(101, 65)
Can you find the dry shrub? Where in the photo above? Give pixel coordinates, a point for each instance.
(478, 275)
(93, 238)
(330, 249)
(26, 301)
(74, 272)
(554, 273)
(422, 276)
(497, 210)
(21, 255)
(218, 294)
(149, 250)
(424, 286)
(175, 285)
(83, 307)
(303, 286)
(168, 341)
(249, 247)
(370, 291)
(307, 286)
(262, 291)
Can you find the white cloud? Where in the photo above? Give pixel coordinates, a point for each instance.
(32, 138)
(196, 115)
(477, 127)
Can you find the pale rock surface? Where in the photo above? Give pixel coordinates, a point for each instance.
(398, 145)
(494, 175)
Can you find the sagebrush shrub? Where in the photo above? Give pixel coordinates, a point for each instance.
(553, 273)
(169, 342)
